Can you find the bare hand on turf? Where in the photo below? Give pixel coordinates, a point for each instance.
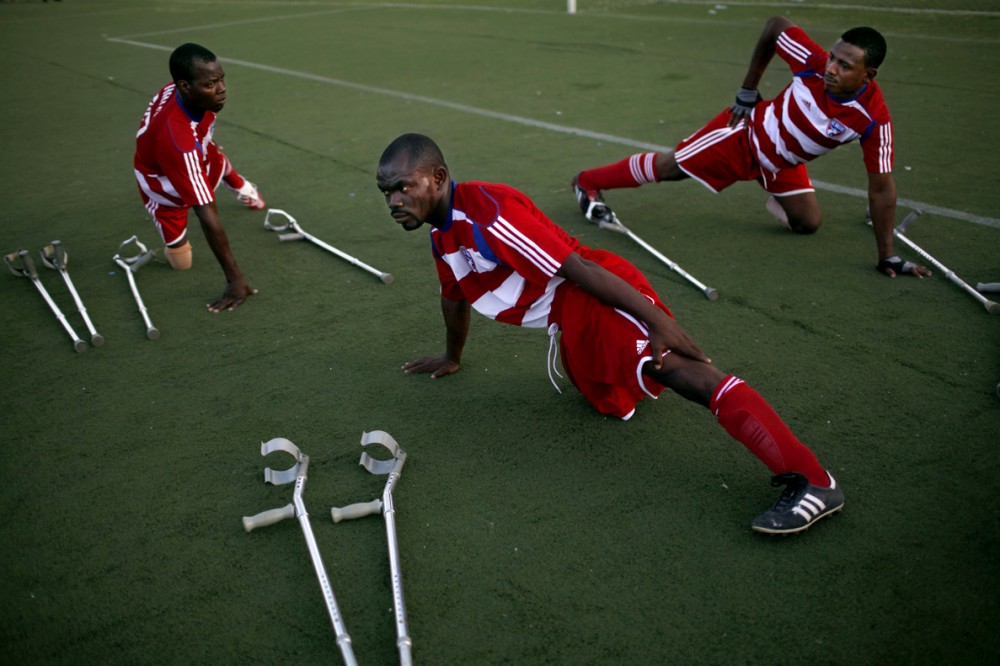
(237, 291)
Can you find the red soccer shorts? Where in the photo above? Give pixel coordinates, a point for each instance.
(718, 156)
(171, 221)
(603, 349)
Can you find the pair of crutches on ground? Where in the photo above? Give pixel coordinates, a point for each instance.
(614, 224)
(298, 473)
(54, 256)
(899, 232)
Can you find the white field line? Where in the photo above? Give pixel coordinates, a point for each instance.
(583, 9)
(553, 127)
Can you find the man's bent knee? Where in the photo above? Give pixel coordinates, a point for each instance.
(808, 224)
(800, 213)
(688, 378)
(179, 257)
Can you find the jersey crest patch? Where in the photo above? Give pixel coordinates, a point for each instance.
(835, 128)
(469, 260)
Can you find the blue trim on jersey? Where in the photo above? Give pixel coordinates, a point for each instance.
(484, 247)
(192, 118)
(447, 223)
(845, 101)
(434, 248)
(813, 72)
(868, 130)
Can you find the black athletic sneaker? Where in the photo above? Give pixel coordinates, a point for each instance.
(591, 203)
(800, 505)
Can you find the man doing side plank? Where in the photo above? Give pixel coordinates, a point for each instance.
(832, 100)
(495, 251)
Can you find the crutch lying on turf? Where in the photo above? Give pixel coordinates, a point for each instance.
(616, 225)
(385, 506)
(54, 256)
(131, 264)
(988, 287)
(27, 269)
(898, 232)
(297, 509)
(298, 234)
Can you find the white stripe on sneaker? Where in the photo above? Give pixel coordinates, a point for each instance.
(809, 507)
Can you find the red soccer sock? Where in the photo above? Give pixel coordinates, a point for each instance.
(749, 419)
(233, 179)
(632, 171)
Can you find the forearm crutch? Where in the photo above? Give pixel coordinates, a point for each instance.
(131, 264)
(297, 509)
(991, 306)
(616, 225)
(385, 506)
(54, 256)
(297, 233)
(26, 268)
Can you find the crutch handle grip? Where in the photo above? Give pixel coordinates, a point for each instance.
(290, 237)
(269, 517)
(359, 510)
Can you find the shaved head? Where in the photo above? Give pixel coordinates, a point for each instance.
(419, 151)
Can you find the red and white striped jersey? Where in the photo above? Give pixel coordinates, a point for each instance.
(499, 252)
(171, 161)
(804, 122)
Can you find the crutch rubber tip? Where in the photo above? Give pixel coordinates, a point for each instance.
(711, 294)
(97, 340)
(152, 334)
(992, 307)
(386, 278)
(80, 346)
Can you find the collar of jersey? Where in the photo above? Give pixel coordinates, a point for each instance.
(848, 101)
(180, 103)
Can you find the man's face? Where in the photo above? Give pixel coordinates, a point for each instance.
(846, 72)
(206, 90)
(413, 194)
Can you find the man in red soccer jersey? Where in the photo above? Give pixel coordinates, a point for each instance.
(178, 166)
(832, 100)
(498, 253)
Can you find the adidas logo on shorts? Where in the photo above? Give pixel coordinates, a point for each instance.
(640, 346)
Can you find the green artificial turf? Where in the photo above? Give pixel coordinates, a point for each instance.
(532, 530)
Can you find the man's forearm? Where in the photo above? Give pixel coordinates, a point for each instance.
(882, 209)
(611, 289)
(215, 234)
(456, 322)
(764, 50)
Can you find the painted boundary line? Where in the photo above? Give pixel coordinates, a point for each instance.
(552, 127)
(582, 7)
